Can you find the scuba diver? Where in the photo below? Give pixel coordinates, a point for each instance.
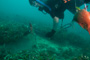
(56, 9)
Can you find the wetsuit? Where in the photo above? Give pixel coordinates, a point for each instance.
(59, 11)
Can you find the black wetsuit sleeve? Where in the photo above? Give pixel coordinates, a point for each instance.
(47, 11)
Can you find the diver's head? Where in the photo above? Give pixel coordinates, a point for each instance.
(34, 3)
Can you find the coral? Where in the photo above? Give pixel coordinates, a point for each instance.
(12, 32)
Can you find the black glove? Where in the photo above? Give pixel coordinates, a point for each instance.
(50, 34)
